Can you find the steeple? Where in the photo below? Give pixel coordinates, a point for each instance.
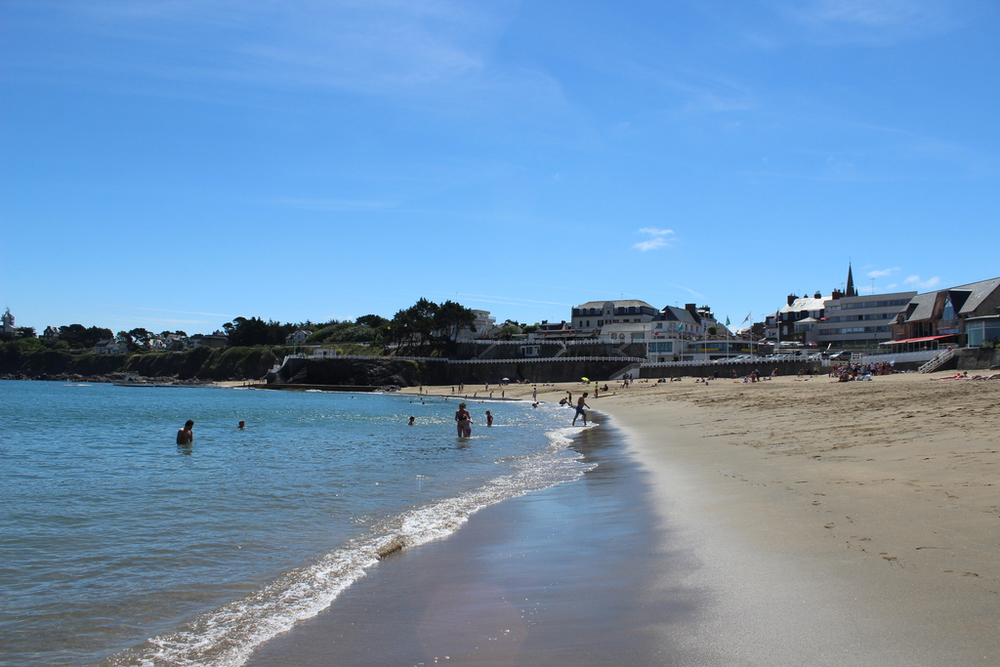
(850, 291)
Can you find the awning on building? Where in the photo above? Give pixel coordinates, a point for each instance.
(915, 340)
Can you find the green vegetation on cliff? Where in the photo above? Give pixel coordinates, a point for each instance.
(32, 359)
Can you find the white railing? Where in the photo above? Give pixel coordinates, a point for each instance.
(938, 361)
(514, 360)
(535, 360)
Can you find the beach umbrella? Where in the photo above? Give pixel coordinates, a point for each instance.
(506, 379)
(585, 379)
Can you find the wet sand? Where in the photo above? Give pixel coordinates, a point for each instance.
(574, 575)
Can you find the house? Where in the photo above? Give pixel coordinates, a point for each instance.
(298, 338)
(175, 342)
(483, 325)
(110, 346)
(51, 334)
(591, 316)
(683, 334)
(966, 314)
(7, 323)
(797, 319)
(217, 341)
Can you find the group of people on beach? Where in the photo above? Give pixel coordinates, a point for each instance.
(849, 372)
(964, 375)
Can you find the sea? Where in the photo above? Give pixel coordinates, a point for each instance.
(120, 548)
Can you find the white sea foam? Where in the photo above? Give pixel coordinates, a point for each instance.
(227, 636)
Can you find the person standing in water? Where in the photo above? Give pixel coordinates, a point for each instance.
(464, 421)
(185, 436)
(581, 403)
(489, 418)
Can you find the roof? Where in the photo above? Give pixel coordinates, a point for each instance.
(979, 292)
(628, 303)
(968, 297)
(674, 314)
(804, 303)
(915, 340)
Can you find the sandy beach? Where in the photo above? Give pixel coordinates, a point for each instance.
(785, 522)
(856, 520)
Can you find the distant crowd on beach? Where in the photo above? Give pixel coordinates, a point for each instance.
(850, 372)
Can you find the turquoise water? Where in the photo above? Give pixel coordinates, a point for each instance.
(119, 547)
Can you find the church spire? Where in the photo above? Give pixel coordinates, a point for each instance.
(850, 291)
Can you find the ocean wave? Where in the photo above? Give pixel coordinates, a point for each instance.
(227, 636)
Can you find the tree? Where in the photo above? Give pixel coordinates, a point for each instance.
(126, 339)
(451, 318)
(509, 331)
(80, 338)
(247, 333)
(373, 321)
(141, 337)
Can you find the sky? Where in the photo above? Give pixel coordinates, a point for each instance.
(175, 164)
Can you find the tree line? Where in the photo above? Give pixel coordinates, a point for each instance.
(423, 322)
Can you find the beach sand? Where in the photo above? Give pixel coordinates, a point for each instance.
(785, 522)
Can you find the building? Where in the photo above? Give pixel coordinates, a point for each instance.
(860, 321)
(588, 318)
(965, 315)
(7, 323)
(842, 319)
(797, 320)
(110, 346)
(298, 337)
(51, 334)
(682, 334)
(217, 340)
(482, 326)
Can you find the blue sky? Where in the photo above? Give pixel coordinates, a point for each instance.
(174, 164)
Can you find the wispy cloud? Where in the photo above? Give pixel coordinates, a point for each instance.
(180, 312)
(882, 273)
(334, 204)
(420, 51)
(658, 238)
(916, 281)
(874, 22)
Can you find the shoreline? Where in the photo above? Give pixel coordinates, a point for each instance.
(561, 575)
(835, 523)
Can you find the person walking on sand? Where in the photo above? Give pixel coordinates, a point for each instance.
(581, 403)
(464, 421)
(185, 436)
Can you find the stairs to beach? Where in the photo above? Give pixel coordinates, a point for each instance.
(938, 361)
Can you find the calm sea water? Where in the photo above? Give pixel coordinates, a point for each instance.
(119, 547)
